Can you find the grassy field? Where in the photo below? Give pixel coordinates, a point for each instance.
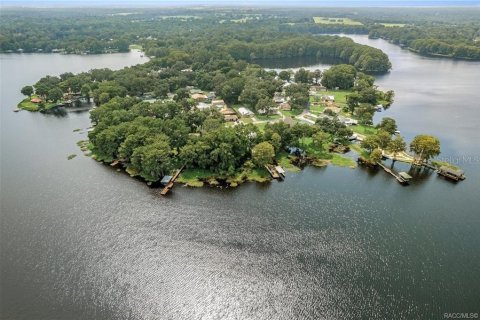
(26, 104)
(393, 25)
(317, 109)
(340, 161)
(246, 120)
(193, 177)
(340, 95)
(135, 47)
(359, 150)
(292, 113)
(268, 118)
(325, 156)
(365, 130)
(345, 21)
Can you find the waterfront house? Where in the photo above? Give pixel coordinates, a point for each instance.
(285, 106)
(210, 96)
(229, 114)
(199, 97)
(328, 98)
(203, 106)
(219, 103)
(317, 88)
(36, 100)
(350, 122)
(278, 98)
(244, 112)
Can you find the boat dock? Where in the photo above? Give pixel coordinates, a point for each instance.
(450, 173)
(276, 172)
(397, 176)
(168, 181)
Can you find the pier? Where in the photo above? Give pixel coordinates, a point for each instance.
(169, 182)
(397, 176)
(276, 172)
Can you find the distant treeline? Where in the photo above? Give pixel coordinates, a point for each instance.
(457, 42)
(344, 49)
(447, 32)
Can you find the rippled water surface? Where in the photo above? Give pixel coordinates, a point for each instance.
(82, 241)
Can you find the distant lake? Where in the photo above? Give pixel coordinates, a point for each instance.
(79, 240)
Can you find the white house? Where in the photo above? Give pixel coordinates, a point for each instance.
(245, 112)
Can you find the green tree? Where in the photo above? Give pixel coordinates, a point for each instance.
(285, 75)
(263, 154)
(27, 91)
(376, 156)
(319, 139)
(265, 105)
(383, 139)
(341, 76)
(85, 91)
(276, 141)
(425, 147)
(41, 89)
(303, 76)
(353, 101)
(104, 97)
(54, 94)
(153, 160)
(181, 94)
(396, 145)
(388, 124)
(370, 143)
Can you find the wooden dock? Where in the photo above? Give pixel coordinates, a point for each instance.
(170, 183)
(276, 172)
(399, 178)
(272, 171)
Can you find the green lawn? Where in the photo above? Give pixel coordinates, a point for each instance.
(340, 95)
(261, 126)
(317, 108)
(26, 104)
(258, 175)
(267, 118)
(365, 130)
(135, 47)
(193, 177)
(246, 120)
(324, 156)
(359, 150)
(340, 161)
(345, 21)
(284, 161)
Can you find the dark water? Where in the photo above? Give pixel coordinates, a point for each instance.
(82, 241)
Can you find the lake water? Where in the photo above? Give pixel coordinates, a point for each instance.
(82, 241)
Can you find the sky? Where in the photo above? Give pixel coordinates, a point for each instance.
(270, 3)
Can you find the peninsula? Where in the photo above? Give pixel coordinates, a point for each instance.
(206, 105)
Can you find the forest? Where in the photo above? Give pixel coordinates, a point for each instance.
(448, 32)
